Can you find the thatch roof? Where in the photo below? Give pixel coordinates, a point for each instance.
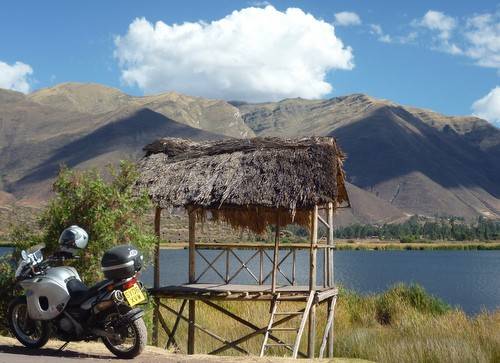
(245, 182)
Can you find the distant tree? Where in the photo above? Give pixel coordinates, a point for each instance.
(417, 228)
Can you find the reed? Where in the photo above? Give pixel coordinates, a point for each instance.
(403, 324)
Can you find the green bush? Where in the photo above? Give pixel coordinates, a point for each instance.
(400, 297)
(107, 208)
(22, 238)
(415, 296)
(109, 211)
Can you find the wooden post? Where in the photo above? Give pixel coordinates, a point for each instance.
(227, 266)
(331, 277)
(311, 338)
(192, 278)
(326, 265)
(261, 265)
(276, 253)
(156, 282)
(331, 272)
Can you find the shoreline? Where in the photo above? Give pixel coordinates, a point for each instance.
(365, 245)
(362, 245)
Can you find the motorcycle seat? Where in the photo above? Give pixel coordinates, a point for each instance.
(79, 292)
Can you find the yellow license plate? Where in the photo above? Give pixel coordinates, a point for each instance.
(134, 295)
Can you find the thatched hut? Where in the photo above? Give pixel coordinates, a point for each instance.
(250, 184)
(246, 182)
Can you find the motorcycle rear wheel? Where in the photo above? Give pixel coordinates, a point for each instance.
(30, 333)
(133, 341)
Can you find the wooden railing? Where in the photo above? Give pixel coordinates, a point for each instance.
(263, 253)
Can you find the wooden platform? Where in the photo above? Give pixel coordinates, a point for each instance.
(240, 292)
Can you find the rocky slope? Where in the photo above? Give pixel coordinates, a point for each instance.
(401, 160)
(211, 115)
(417, 160)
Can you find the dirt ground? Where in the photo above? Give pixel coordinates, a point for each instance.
(11, 351)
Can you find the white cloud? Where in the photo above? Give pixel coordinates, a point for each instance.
(488, 107)
(15, 77)
(347, 18)
(376, 29)
(408, 38)
(482, 34)
(259, 3)
(252, 54)
(442, 26)
(437, 21)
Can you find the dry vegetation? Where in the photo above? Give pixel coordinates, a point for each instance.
(245, 182)
(402, 325)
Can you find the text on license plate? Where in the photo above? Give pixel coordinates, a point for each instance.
(134, 295)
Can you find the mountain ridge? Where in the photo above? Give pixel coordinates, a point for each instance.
(402, 160)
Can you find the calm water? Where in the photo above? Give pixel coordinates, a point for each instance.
(470, 279)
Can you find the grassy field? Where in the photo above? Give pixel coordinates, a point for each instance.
(402, 325)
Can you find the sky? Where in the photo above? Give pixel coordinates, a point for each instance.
(440, 55)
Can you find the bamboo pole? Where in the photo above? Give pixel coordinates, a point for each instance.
(261, 265)
(156, 282)
(192, 278)
(331, 272)
(276, 253)
(312, 282)
(331, 277)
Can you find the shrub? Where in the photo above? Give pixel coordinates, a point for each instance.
(108, 209)
(415, 296)
(400, 298)
(21, 237)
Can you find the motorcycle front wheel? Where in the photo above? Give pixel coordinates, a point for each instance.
(31, 333)
(133, 337)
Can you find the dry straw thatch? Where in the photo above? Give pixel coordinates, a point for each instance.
(247, 183)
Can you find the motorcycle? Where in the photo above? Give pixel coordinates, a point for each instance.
(57, 302)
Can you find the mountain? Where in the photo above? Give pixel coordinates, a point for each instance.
(211, 115)
(37, 136)
(400, 160)
(417, 160)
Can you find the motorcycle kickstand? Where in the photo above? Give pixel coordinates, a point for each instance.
(63, 346)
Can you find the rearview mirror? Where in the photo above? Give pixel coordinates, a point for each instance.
(24, 256)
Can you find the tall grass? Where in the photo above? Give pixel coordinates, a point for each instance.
(404, 324)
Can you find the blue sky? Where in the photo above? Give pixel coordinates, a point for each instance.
(443, 60)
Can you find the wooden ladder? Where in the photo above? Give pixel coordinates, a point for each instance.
(304, 313)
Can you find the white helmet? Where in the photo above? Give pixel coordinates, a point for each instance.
(72, 239)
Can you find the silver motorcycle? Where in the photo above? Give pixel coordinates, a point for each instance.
(56, 302)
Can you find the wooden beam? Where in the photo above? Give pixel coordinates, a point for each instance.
(278, 267)
(327, 333)
(313, 249)
(171, 339)
(156, 282)
(210, 265)
(192, 247)
(205, 330)
(244, 265)
(296, 346)
(311, 336)
(329, 242)
(325, 223)
(256, 329)
(331, 277)
(167, 330)
(192, 278)
(276, 252)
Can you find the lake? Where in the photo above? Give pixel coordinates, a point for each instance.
(469, 279)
